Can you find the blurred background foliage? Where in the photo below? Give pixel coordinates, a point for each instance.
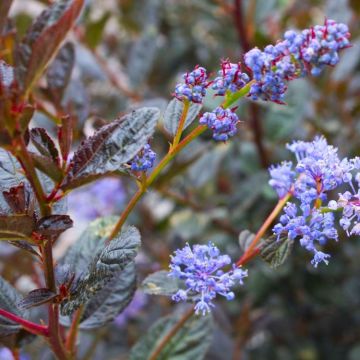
(131, 53)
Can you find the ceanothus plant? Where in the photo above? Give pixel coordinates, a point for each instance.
(96, 278)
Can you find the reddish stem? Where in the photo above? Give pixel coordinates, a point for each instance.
(252, 250)
(27, 325)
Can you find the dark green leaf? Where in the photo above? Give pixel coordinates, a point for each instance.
(173, 113)
(59, 72)
(190, 342)
(36, 297)
(94, 31)
(9, 297)
(53, 225)
(275, 251)
(16, 227)
(111, 300)
(95, 263)
(159, 283)
(43, 39)
(111, 146)
(44, 144)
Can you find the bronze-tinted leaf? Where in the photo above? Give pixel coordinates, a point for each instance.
(43, 39)
(47, 166)
(17, 198)
(24, 245)
(16, 227)
(36, 297)
(53, 225)
(111, 146)
(65, 136)
(44, 144)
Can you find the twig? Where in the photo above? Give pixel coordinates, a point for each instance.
(27, 325)
(186, 316)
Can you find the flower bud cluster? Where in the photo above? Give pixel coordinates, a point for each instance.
(144, 160)
(194, 87)
(201, 267)
(222, 122)
(230, 78)
(298, 54)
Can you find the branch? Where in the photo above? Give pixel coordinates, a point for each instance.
(27, 325)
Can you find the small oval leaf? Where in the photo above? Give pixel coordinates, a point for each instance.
(173, 113)
(275, 251)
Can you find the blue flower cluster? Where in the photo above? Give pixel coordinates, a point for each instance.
(298, 54)
(230, 78)
(222, 122)
(295, 56)
(312, 229)
(194, 88)
(318, 171)
(349, 202)
(201, 269)
(144, 160)
(282, 178)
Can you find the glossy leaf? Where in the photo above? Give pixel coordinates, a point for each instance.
(43, 39)
(190, 342)
(9, 297)
(111, 146)
(36, 297)
(44, 144)
(95, 263)
(275, 251)
(173, 113)
(159, 283)
(53, 225)
(111, 300)
(59, 72)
